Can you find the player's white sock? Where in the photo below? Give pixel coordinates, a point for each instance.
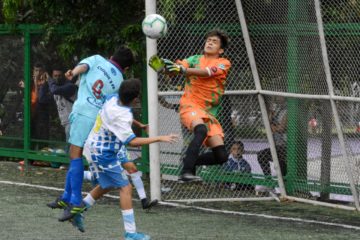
(129, 220)
(138, 183)
(89, 200)
(87, 175)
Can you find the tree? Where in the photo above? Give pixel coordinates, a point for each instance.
(96, 26)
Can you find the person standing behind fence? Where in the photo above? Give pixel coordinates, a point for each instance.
(278, 124)
(64, 92)
(40, 103)
(98, 78)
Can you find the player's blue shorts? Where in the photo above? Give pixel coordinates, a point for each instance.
(80, 127)
(108, 173)
(123, 155)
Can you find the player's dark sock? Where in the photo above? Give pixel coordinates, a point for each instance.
(192, 152)
(77, 175)
(67, 191)
(217, 156)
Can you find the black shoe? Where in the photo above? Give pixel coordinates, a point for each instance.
(71, 211)
(146, 204)
(189, 177)
(58, 203)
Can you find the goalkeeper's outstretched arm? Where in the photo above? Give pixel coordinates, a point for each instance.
(172, 68)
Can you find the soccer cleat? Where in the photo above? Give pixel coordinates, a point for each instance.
(147, 204)
(189, 177)
(78, 222)
(136, 236)
(71, 211)
(58, 203)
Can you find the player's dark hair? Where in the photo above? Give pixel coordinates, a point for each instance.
(39, 65)
(129, 90)
(224, 38)
(57, 68)
(124, 57)
(240, 143)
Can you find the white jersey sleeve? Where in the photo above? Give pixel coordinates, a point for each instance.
(118, 119)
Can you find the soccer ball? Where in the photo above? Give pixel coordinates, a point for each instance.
(154, 26)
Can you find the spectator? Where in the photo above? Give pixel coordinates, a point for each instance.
(236, 163)
(313, 125)
(278, 123)
(64, 92)
(40, 103)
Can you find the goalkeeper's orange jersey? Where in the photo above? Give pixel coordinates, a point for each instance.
(205, 92)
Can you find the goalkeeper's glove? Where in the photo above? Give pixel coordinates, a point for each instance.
(156, 63)
(174, 68)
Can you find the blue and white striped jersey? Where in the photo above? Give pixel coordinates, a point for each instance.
(111, 132)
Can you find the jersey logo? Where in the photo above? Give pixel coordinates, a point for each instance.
(221, 66)
(95, 102)
(113, 71)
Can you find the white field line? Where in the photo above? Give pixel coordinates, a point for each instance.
(203, 209)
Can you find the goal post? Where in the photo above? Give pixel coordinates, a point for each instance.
(289, 58)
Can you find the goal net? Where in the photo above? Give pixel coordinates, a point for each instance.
(294, 68)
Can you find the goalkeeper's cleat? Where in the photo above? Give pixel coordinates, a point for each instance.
(156, 63)
(147, 204)
(71, 211)
(58, 203)
(78, 222)
(136, 236)
(189, 177)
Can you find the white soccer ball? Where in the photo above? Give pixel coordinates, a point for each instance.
(154, 26)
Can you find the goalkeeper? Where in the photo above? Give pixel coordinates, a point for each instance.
(205, 82)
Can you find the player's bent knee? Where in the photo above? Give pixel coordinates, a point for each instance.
(130, 167)
(201, 130)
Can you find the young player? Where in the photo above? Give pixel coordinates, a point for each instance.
(204, 86)
(105, 151)
(135, 175)
(98, 77)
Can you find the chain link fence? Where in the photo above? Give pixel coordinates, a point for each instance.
(288, 50)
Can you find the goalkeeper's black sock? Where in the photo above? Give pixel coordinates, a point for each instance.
(218, 156)
(192, 152)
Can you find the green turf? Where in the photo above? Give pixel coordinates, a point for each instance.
(24, 215)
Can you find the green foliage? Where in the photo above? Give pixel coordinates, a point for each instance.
(10, 8)
(96, 27)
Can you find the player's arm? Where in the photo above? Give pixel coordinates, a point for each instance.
(197, 72)
(139, 141)
(79, 69)
(181, 67)
(142, 126)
